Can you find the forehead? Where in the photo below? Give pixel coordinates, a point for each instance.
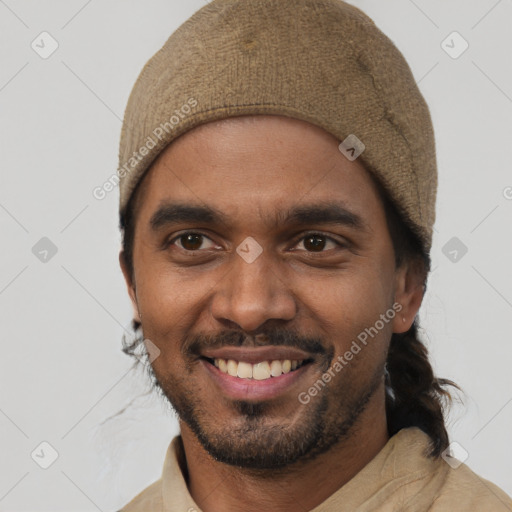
(258, 164)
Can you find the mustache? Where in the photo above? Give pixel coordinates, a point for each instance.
(195, 344)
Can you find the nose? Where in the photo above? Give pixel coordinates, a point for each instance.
(252, 294)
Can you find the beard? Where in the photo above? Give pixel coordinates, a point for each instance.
(257, 439)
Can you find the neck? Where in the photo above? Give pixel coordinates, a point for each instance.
(217, 487)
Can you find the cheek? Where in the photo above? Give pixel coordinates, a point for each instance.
(171, 305)
(348, 307)
(165, 292)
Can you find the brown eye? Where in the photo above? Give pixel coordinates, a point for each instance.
(191, 241)
(317, 242)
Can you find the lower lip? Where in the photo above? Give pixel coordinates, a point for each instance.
(252, 389)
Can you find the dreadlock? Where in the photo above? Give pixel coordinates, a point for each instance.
(415, 397)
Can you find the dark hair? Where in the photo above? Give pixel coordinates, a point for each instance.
(414, 395)
(127, 227)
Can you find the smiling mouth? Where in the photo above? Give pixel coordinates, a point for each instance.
(262, 370)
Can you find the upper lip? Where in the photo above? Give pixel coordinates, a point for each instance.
(256, 354)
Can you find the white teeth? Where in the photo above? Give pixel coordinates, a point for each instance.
(232, 367)
(244, 370)
(223, 365)
(276, 368)
(259, 371)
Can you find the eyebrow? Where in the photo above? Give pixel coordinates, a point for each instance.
(327, 212)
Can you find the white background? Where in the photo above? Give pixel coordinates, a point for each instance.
(62, 372)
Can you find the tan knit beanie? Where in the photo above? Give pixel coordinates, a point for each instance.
(322, 61)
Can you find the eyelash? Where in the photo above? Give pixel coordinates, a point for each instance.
(304, 236)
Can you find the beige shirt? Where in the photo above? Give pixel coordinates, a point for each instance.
(399, 478)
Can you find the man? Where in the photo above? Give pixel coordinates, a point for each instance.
(277, 198)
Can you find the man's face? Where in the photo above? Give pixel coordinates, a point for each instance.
(208, 298)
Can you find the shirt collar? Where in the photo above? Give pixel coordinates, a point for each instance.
(402, 459)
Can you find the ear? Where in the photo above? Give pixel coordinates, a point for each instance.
(409, 291)
(130, 286)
